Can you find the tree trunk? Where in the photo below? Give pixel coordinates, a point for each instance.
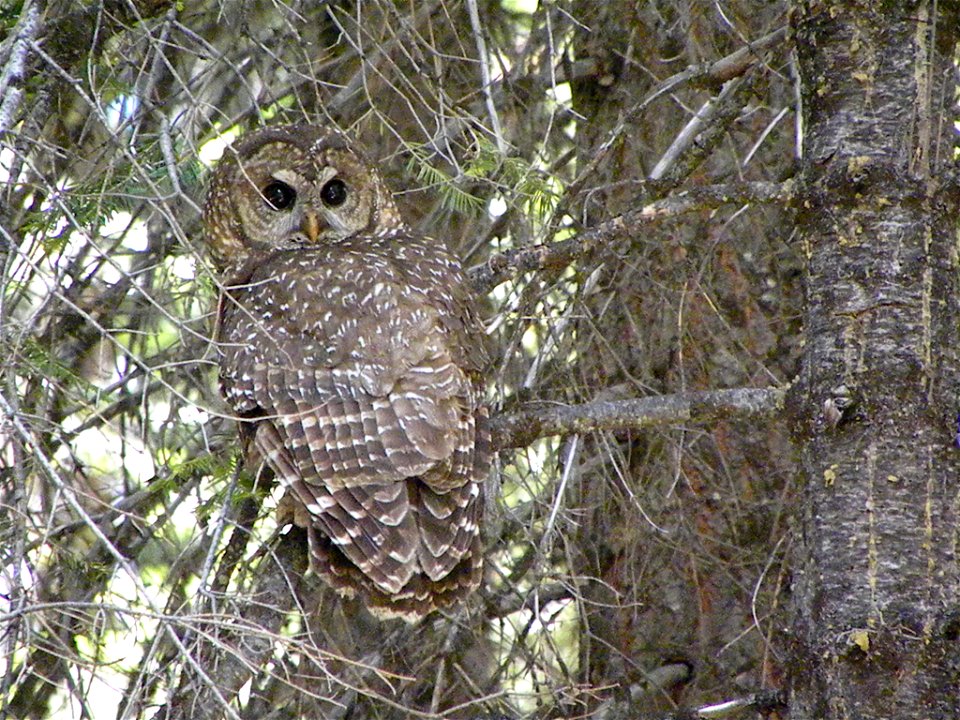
(876, 577)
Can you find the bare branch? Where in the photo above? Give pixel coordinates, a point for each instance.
(504, 266)
(536, 421)
(13, 68)
(705, 117)
(230, 658)
(726, 68)
(669, 676)
(703, 133)
(722, 110)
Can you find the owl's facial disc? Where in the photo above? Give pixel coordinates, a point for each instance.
(315, 205)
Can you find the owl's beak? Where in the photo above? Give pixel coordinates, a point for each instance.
(310, 225)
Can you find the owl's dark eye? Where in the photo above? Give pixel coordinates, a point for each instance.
(334, 193)
(279, 195)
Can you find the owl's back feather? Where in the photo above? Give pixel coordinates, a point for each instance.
(357, 367)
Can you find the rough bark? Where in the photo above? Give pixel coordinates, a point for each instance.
(876, 576)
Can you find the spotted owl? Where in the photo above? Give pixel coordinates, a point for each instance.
(351, 351)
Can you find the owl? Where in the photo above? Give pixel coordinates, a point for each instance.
(351, 352)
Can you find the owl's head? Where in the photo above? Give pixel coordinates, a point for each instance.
(292, 186)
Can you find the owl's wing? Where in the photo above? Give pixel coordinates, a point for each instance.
(354, 377)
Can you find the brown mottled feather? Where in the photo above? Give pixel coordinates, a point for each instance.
(362, 378)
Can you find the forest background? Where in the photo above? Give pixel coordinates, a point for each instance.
(719, 242)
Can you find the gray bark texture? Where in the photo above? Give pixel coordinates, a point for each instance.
(876, 580)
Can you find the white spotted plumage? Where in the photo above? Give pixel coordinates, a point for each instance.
(351, 350)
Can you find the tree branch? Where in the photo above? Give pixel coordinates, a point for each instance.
(511, 263)
(702, 133)
(726, 68)
(539, 420)
(763, 702)
(15, 64)
(230, 655)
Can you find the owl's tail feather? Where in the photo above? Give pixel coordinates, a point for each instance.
(417, 598)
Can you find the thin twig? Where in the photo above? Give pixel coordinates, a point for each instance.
(724, 70)
(485, 76)
(704, 117)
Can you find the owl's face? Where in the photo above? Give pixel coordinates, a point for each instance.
(290, 187)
